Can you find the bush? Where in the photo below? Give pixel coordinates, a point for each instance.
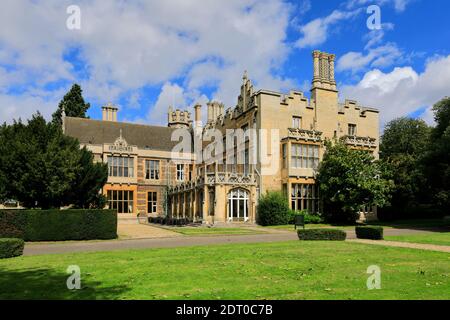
(322, 234)
(369, 232)
(58, 225)
(10, 248)
(273, 210)
(309, 218)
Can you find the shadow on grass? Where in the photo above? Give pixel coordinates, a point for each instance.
(48, 284)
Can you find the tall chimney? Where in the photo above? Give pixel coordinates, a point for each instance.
(109, 113)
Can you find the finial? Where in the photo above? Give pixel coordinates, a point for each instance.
(245, 77)
(121, 134)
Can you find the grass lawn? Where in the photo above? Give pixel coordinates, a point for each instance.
(405, 224)
(203, 231)
(287, 270)
(399, 224)
(435, 238)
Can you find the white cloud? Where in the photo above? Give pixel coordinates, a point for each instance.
(399, 5)
(383, 56)
(403, 90)
(316, 31)
(126, 45)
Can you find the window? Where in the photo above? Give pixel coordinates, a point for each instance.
(152, 202)
(296, 122)
(352, 129)
(121, 167)
(238, 205)
(284, 153)
(305, 197)
(304, 156)
(121, 200)
(180, 172)
(152, 169)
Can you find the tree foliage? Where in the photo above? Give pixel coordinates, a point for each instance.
(404, 144)
(350, 180)
(41, 167)
(273, 209)
(73, 105)
(437, 160)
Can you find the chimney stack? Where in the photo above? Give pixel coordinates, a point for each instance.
(109, 113)
(198, 115)
(324, 71)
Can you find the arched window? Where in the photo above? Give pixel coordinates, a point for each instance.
(238, 205)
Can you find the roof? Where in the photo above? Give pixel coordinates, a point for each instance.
(89, 131)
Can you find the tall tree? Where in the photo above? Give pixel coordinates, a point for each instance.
(350, 180)
(437, 161)
(403, 146)
(44, 168)
(73, 105)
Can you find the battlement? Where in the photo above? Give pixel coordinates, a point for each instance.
(179, 118)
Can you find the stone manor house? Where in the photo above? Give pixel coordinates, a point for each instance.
(145, 177)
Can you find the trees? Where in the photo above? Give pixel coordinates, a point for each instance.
(403, 146)
(41, 167)
(437, 160)
(73, 105)
(349, 180)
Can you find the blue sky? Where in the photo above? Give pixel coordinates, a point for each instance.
(146, 55)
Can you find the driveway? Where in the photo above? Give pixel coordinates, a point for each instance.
(173, 240)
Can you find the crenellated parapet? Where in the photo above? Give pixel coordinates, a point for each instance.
(179, 118)
(354, 106)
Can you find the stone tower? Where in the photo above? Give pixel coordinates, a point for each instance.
(324, 93)
(179, 118)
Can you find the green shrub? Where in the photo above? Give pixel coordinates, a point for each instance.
(309, 218)
(10, 248)
(58, 225)
(322, 234)
(273, 209)
(369, 232)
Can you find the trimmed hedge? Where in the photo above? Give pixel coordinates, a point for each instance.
(10, 248)
(58, 225)
(369, 232)
(169, 221)
(322, 234)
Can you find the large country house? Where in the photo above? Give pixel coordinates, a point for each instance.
(147, 177)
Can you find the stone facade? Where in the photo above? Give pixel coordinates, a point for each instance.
(213, 190)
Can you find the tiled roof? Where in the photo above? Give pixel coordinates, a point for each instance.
(89, 131)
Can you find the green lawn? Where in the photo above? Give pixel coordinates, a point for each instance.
(399, 224)
(435, 238)
(203, 231)
(288, 270)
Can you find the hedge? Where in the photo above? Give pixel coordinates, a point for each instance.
(369, 232)
(10, 248)
(309, 218)
(58, 225)
(322, 234)
(169, 221)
